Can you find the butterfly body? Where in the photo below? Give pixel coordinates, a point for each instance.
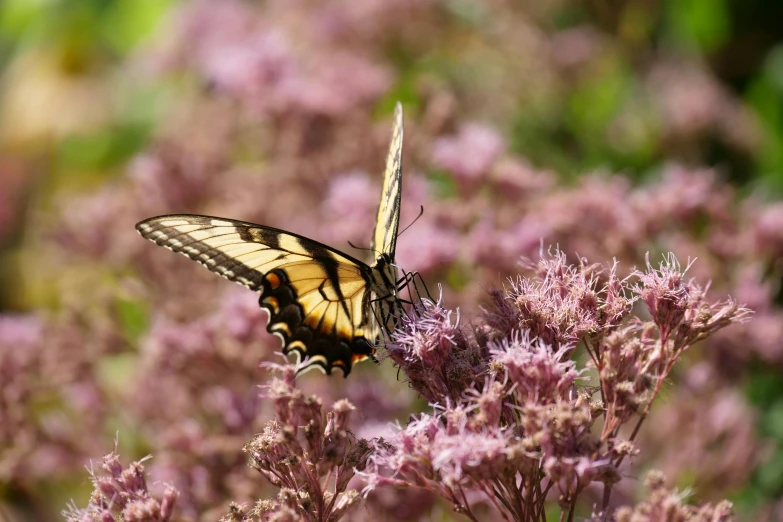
(328, 307)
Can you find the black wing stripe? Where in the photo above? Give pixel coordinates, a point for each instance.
(322, 315)
(230, 268)
(330, 267)
(265, 236)
(304, 294)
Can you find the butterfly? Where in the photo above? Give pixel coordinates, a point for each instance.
(328, 308)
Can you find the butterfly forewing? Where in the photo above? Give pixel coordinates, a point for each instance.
(388, 217)
(318, 298)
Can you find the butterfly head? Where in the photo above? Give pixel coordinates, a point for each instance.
(383, 260)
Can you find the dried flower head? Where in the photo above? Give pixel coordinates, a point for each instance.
(667, 505)
(524, 419)
(310, 455)
(436, 354)
(563, 303)
(122, 494)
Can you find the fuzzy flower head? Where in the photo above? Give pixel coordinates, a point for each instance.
(662, 503)
(623, 359)
(561, 431)
(311, 455)
(470, 154)
(445, 449)
(679, 307)
(538, 373)
(488, 404)
(122, 494)
(465, 455)
(435, 353)
(562, 303)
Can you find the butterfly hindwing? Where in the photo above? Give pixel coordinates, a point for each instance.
(317, 298)
(388, 218)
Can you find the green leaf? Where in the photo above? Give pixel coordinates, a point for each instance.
(16, 16)
(133, 317)
(129, 22)
(705, 24)
(770, 474)
(764, 388)
(773, 420)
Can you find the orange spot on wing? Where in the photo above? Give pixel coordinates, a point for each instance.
(274, 281)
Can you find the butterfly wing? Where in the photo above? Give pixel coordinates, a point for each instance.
(318, 298)
(388, 218)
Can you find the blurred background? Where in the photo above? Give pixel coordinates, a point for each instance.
(611, 128)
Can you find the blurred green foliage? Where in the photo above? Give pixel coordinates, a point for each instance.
(765, 96)
(604, 120)
(89, 39)
(91, 25)
(765, 391)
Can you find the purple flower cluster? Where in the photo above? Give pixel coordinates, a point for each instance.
(514, 418)
(261, 65)
(468, 155)
(309, 454)
(207, 370)
(122, 494)
(666, 505)
(563, 304)
(51, 407)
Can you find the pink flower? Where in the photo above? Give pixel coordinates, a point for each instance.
(470, 154)
(563, 304)
(539, 373)
(435, 353)
(525, 409)
(123, 494)
(515, 178)
(311, 455)
(20, 331)
(679, 308)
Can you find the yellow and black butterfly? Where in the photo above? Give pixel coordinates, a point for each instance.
(328, 307)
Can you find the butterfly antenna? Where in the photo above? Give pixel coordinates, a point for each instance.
(359, 248)
(421, 213)
(376, 253)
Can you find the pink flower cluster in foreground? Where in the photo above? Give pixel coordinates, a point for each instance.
(310, 455)
(122, 494)
(515, 421)
(664, 504)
